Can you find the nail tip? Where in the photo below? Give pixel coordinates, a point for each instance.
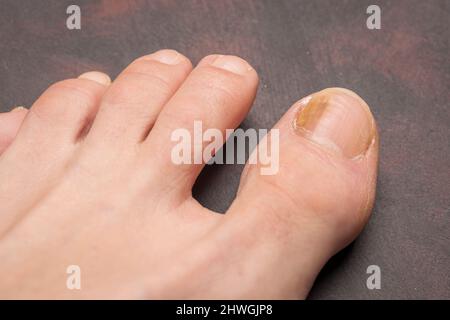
(19, 109)
(97, 76)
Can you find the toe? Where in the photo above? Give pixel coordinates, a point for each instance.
(10, 123)
(46, 139)
(63, 111)
(321, 193)
(216, 96)
(134, 100)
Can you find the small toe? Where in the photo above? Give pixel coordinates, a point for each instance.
(216, 96)
(62, 113)
(134, 100)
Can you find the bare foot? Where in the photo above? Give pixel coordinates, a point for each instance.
(88, 180)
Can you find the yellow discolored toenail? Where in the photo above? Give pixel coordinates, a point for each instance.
(337, 119)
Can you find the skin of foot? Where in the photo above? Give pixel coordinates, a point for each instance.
(86, 179)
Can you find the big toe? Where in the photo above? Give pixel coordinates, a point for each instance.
(317, 196)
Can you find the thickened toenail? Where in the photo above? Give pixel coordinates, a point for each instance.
(337, 119)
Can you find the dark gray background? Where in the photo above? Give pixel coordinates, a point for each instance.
(298, 47)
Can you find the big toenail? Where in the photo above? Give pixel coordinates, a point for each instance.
(337, 119)
(233, 64)
(96, 76)
(167, 56)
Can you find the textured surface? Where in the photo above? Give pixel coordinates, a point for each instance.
(298, 47)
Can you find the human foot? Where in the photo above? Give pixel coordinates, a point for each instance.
(89, 181)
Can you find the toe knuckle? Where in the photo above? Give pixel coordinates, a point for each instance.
(66, 97)
(74, 89)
